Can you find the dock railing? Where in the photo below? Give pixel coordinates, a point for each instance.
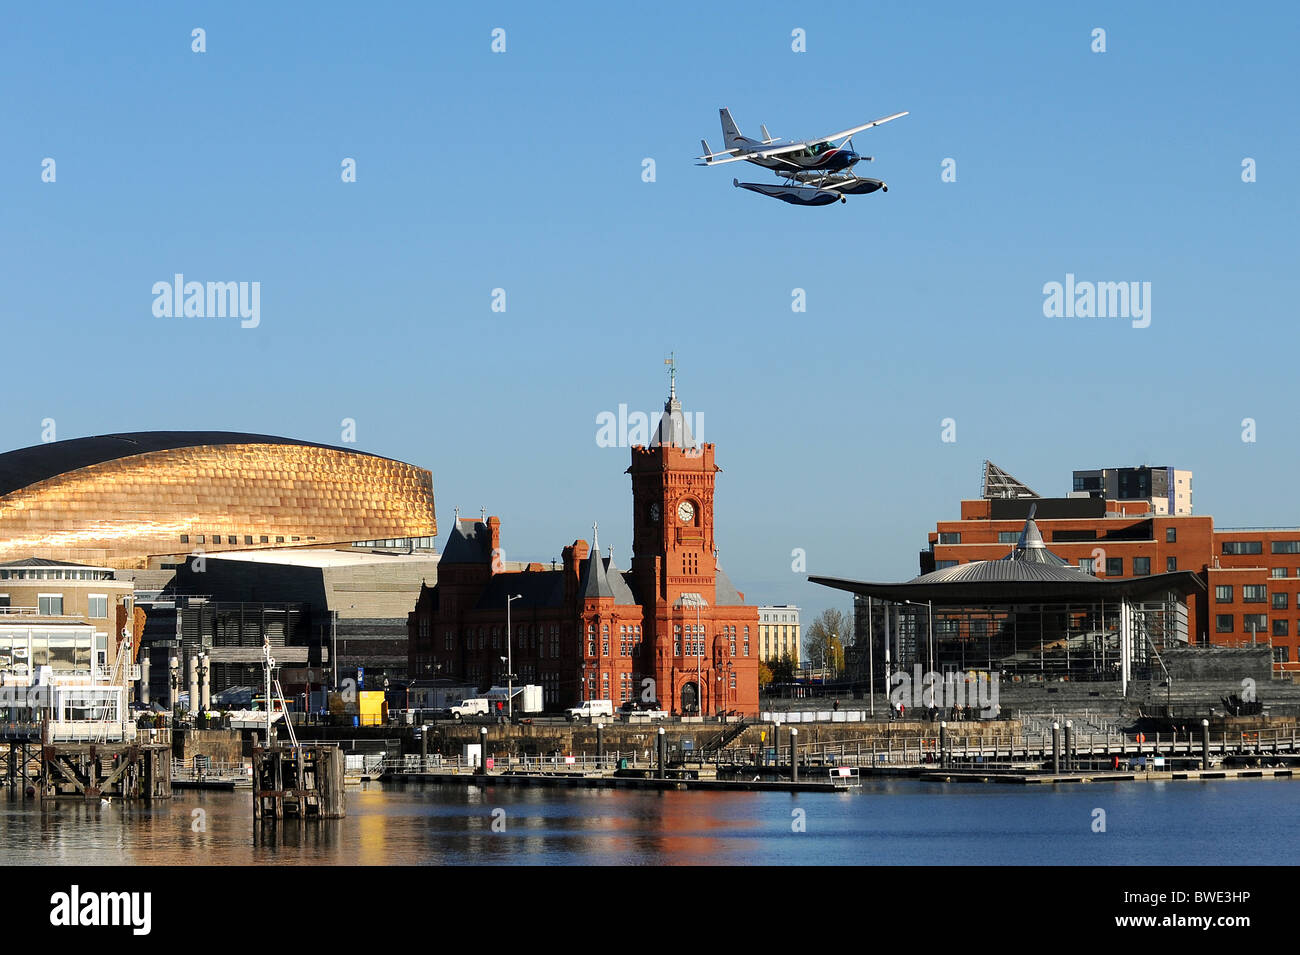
(199, 769)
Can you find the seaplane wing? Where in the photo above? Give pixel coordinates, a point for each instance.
(857, 129)
(760, 153)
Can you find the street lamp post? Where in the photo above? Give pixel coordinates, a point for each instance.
(510, 660)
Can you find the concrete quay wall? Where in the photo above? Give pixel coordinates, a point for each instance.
(544, 739)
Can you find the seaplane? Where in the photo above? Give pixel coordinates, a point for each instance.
(817, 172)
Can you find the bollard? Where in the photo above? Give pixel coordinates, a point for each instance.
(600, 743)
(943, 744)
(794, 754)
(482, 750)
(1069, 745)
(659, 746)
(424, 748)
(1205, 744)
(173, 684)
(1056, 747)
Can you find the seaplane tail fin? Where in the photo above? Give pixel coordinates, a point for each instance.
(730, 132)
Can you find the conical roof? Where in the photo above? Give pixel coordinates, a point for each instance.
(1030, 548)
(673, 429)
(595, 576)
(1031, 560)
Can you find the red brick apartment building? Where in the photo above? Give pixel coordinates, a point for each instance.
(1252, 575)
(586, 630)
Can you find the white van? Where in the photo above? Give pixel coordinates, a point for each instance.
(590, 709)
(467, 708)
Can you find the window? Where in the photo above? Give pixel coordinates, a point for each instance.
(604, 640)
(1285, 547)
(1280, 628)
(1279, 601)
(1277, 572)
(248, 538)
(746, 644)
(951, 538)
(677, 639)
(97, 605)
(185, 538)
(941, 564)
(1223, 623)
(1114, 566)
(1243, 547)
(1141, 566)
(1281, 654)
(1088, 565)
(50, 605)
(1171, 564)
(1254, 623)
(1254, 593)
(591, 639)
(264, 539)
(1223, 594)
(1171, 535)
(279, 540)
(1008, 537)
(4, 600)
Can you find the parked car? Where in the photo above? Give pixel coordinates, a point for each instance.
(636, 708)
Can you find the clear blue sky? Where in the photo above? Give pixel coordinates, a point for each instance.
(522, 171)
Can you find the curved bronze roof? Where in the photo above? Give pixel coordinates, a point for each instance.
(121, 500)
(27, 466)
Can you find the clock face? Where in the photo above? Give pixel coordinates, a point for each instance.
(654, 511)
(685, 511)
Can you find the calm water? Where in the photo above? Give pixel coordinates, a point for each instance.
(895, 822)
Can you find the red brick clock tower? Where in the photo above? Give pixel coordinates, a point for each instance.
(704, 648)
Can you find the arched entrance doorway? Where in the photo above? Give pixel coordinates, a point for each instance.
(690, 699)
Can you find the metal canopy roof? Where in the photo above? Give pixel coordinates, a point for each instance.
(1029, 574)
(984, 583)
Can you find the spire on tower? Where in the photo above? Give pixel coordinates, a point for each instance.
(672, 429)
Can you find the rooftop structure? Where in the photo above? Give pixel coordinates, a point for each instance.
(142, 499)
(1026, 613)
